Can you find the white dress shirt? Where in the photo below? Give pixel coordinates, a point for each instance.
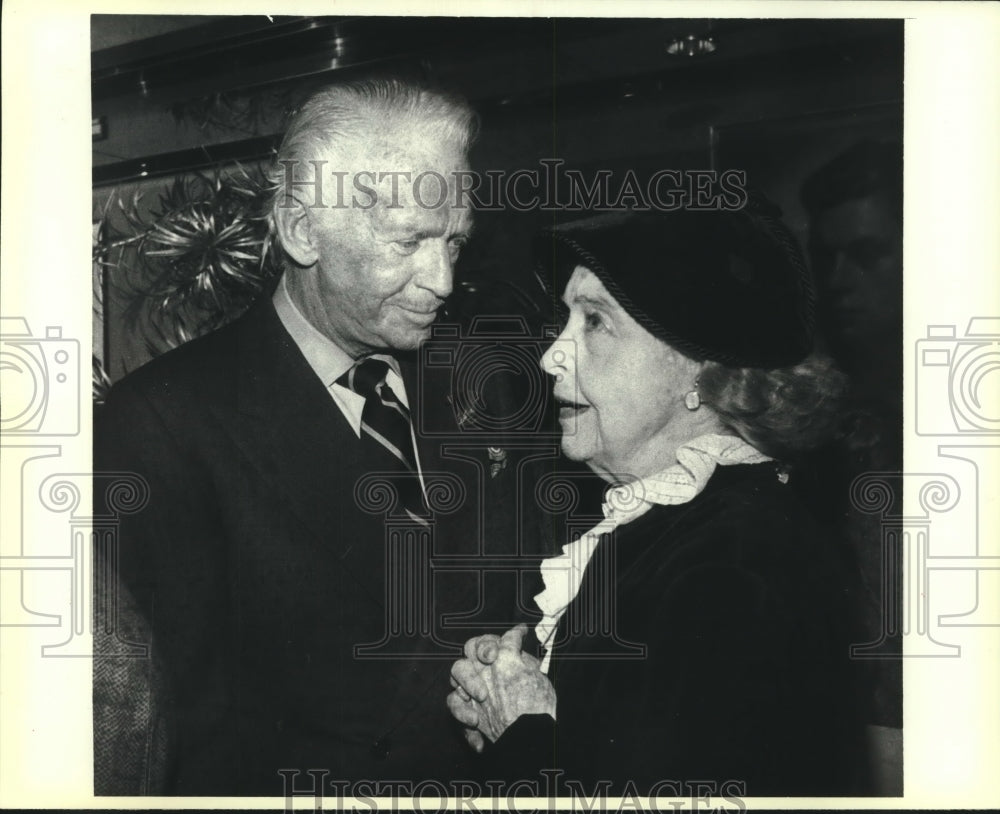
(329, 361)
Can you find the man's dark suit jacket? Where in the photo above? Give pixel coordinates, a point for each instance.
(260, 574)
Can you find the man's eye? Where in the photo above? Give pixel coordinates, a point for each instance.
(594, 322)
(407, 246)
(869, 253)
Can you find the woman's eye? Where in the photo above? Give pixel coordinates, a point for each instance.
(594, 322)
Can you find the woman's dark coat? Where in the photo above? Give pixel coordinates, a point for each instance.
(708, 642)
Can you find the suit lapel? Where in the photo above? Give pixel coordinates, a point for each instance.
(302, 445)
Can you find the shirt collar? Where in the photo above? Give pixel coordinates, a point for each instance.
(327, 359)
(679, 483)
(696, 461)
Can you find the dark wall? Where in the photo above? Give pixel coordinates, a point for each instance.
(776, 98)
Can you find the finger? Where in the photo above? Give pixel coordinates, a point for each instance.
(458, 688)
(473, 646)
(464, 712)
(514, 637)
(475, 739)
(488, 649)
(468, 675)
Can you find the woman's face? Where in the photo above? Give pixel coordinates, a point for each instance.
(620, 389)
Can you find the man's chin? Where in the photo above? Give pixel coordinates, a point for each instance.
(410, 339)
(863, 336)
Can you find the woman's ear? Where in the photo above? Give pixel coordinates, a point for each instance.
(688, 368)
(294, 227)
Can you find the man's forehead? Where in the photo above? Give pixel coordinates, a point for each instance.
(870, 214)
(410, 213)
(398, 150)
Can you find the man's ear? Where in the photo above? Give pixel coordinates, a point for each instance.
(292, 221)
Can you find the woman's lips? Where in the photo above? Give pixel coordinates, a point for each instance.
(569, 409)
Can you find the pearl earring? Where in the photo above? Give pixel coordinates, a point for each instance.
(691, 399)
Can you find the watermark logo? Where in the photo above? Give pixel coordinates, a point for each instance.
(87, 563)
(549, 187)
(958, 379)
(946, 537)
(490, 378)
(415, 561)
(40, 381)
(549, 786)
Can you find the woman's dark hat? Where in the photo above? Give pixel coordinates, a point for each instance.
(730, 286)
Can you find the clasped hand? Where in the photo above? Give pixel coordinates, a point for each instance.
(495, 684)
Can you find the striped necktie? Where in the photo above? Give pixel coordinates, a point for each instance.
(385, 429)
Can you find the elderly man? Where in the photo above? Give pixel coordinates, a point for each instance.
(282, 561)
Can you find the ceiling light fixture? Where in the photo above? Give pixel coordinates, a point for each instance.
(691, 45)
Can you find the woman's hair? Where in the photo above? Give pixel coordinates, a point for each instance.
(784, 411)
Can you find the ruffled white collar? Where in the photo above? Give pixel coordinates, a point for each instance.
(696, 461)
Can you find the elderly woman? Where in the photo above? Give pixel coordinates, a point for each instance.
(685, 378)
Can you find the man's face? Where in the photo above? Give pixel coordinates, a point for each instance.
(857, 252)
(620, 389)
(383, 270)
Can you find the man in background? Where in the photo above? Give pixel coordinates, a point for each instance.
(855, 204)
(856, 245)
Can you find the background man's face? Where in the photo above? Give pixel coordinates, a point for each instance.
(383, 272)
(857, 252)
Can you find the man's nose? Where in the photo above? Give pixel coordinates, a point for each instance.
(437, 272)
(844, 274)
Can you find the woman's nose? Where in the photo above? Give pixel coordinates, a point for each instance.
(559, 359)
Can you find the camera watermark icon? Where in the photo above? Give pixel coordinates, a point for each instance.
(492, 377)
(39, 379)
(958, 379)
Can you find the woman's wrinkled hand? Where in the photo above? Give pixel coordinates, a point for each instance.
(480, 652)
(495, 684)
